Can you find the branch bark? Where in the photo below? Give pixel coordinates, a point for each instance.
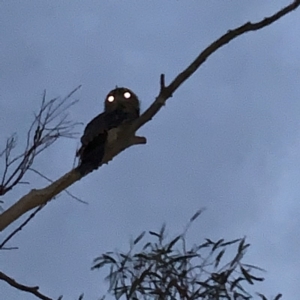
(29, 289)
(126, 137)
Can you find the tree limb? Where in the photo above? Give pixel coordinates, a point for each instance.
(167, 91)
(29, 289)
(126, 136)
(38, 197)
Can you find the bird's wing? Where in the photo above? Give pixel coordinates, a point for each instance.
(94, 128)
(100, 125)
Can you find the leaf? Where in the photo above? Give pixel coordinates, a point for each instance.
(108, 258)
(162, 232)
(256, 278)
(184, 258)
(254, 267)
(218, 258)
(142, 256)
(235, 283)
(204, 245)
(242, 247)
(210, 242)
(173, 243)
(125, 256)
(204, 284)
(236, 259)
(99, 265)
(138, 281)
(217, 244)
(102, 261)
(146, 245)
(154, 233)
(262, 296)
(139, 238)
(133, 287)
(197, 214)
(81, 297)
(247, 275)
(230, 243)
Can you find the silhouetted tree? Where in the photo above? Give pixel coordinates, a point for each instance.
(167, 269)
(159, 270)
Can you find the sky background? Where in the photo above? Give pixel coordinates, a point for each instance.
(228, 140)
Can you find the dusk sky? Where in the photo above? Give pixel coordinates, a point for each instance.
(228, 140)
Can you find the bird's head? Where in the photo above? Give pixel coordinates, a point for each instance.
(122, 99)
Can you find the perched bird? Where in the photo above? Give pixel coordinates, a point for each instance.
(121, 106)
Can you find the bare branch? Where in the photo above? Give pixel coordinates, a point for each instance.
(36, 198)
(126, 134)
(49, 124)
(167, 91)
(29, 289)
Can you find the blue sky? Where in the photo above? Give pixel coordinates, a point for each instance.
(228, 140)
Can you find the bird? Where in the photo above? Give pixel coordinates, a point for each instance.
(121, 105)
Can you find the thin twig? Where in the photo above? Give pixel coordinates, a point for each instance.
(19, 228)
(50, 180)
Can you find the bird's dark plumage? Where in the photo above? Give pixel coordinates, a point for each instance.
(121, 105)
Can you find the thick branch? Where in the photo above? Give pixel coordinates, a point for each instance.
(38, 197)
(29, 289)
(127, 138)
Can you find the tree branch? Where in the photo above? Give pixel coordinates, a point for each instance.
(51, 181)
(126, 135)
(36, 198)
(167, 91)
(32, 290)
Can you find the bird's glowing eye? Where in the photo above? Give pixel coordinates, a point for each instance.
(127, 95)
(110, 98)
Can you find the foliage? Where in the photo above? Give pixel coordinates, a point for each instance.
(169, 269)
